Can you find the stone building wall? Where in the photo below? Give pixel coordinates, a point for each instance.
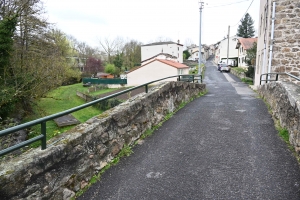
(72, 158)
(284, 99)
(286, 49)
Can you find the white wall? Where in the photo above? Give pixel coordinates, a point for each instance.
(222, 49)
(263, 30)
(242, 57)
(151, 72)
(172, 49)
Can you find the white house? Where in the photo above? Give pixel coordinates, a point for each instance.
(194, 51)
(172, 48)
(221, 51)
(243, 44)
(163, 56)
(156, 69)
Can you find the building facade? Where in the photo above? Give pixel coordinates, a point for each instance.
(156, 69)
(172, 48)
(282, 52)
(221, 51)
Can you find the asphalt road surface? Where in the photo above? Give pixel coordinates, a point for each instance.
(220, 146)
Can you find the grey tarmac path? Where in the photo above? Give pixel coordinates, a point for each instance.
(220, 146)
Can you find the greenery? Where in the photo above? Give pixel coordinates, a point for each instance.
(58, 100)
(251, 54)
(246, 28)
(250, 72)
(7, 28)
(186, 54)
(247, 80)
(110, 68)
(239, 69)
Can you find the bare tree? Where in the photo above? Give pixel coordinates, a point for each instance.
(163, 39)
(188, 42)
(111, 46)
(132, 53)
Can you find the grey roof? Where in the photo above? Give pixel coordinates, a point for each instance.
(161, 43)
(166, 54)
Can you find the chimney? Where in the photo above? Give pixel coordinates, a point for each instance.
(178, 41)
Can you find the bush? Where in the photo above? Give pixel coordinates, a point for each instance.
(250, 72)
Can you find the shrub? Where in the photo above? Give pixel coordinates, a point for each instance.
(250, 72)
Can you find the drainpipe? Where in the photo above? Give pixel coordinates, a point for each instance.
(265, 46)
(272, 37)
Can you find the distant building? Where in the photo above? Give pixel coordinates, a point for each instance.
(171, 48)
(104, 75)
(156, 69)
(194, 51)
(221, 51)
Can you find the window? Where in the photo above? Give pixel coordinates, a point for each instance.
(180, 71)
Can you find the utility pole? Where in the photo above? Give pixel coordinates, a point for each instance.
(228, 44)
(201, 4)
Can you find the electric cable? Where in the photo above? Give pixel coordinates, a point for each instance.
(244, 14)
(227, 4)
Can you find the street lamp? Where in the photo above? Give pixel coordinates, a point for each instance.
(201, 4)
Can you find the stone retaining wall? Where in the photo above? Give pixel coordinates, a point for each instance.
(72, 158)
(284, 99)
(238, 74)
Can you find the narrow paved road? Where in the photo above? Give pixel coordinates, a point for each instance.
(220, 146)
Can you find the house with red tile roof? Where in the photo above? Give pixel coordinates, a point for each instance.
(243, 44)
(156, 69)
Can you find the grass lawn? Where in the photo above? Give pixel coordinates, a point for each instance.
(58, 100)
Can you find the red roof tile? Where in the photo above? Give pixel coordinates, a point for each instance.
(247, 43)
(173, 63)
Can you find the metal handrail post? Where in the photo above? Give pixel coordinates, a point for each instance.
(44, 133)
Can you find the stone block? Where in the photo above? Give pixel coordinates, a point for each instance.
(84, 150)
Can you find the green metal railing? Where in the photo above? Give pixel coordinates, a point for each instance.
(267, 79)
(42, 121)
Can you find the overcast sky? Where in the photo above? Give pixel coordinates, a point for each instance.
(146, 20)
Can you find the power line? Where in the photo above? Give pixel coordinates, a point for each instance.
(244, 14)
(227, 4)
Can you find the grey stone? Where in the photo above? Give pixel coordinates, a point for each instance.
(68, 194)
(66, 166)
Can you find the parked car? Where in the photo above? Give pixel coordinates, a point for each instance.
(224, 67)
(219, 65)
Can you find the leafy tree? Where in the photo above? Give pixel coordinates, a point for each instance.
(246, 28)
(118, 60)
(186, 54)
(7, 28)
(110, 68)
(93, 65)
(251, 54)
(33, 56)
(132, 54)
(250, 60)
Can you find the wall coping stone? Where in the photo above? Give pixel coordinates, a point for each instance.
(73, 157)
(284, 100)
